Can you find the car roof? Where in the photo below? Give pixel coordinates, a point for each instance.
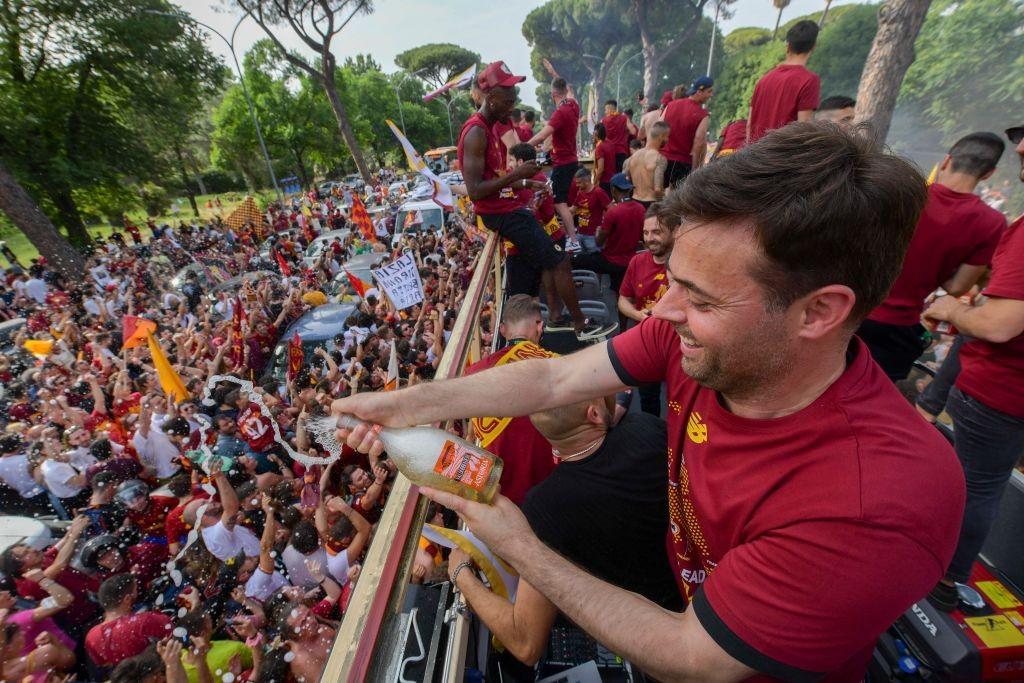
(420, 205)
(322, 322)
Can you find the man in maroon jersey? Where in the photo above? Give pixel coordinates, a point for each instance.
(561, 128)
(688, 131)
(493, 192)
(589, 203)
(789, 92)
(619, 235)
(618, 127)
(643, 285)
(526, 453)
(795, 466)
(952, 247)
(987, 403)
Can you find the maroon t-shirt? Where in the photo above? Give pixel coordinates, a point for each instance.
(505, 201)
(623, 227)
(778, 527)
(526, 454)
(994, 373)
(590, 207)
(112, 642)
(779, 95)
(644, 282)
(683, 118)
(605, 150)
(524, 132)
(618, 132)
(955, 228)
(734, 136)
(82, 609)
(255, 428)
(564, 121)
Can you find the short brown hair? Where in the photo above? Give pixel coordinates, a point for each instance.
(826, 207)
(519, 307)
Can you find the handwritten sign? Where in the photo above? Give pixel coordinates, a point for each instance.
(400, 279)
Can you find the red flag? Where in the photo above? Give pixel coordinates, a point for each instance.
(135, 330)
(357, 284)
(295, 356)
(282, 264)
(238, 335)
(361, 218)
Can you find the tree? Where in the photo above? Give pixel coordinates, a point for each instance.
(77, 78)
(581, 38)
(27, 216)
(437, 63)
(779, 5)
(361, 63)
(317, 23)
(892, 52)
(665, 26)
(955, 82)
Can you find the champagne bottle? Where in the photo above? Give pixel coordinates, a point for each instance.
(438, 459)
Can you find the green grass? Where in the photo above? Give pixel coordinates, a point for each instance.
(25, 252)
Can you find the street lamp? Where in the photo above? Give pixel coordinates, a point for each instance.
(241, 80)
(618, 74)
(451, 134)
(714, 30)
(402, 77)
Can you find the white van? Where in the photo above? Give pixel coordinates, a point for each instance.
(418, 216)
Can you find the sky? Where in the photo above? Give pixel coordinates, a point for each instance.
(492, 29)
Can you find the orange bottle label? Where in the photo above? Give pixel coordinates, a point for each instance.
(460, 464)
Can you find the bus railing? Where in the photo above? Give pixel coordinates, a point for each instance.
(380, 590)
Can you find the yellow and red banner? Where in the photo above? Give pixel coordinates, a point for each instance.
(135, 330)
(295, 356)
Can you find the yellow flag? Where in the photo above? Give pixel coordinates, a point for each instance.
(40, 348)
(169, 379)
(933, 175)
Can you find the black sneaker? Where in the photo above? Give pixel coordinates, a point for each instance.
(563, 325)
(593, 330)
(944, 597)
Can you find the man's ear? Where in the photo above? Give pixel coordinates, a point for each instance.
(824, 310)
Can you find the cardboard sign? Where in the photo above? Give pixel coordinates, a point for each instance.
(400, 279)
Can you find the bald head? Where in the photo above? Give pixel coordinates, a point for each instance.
(567, 422)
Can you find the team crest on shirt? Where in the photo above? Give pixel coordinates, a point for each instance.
(696, 430)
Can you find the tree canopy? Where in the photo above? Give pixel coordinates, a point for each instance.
(437, 63)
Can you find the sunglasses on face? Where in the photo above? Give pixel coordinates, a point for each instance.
(1015, 134)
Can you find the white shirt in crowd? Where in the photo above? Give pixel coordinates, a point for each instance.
(157, 451)
(57, 477)
(262, 585)
(224, 543)
(297, 565)
(36, 289)
(15, 473)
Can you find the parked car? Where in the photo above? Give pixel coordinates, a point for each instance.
(317, 328)
(418, 216)
(359, 265)
(317, 246)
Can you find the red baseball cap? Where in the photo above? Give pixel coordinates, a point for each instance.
(498, 75)
(666, 97)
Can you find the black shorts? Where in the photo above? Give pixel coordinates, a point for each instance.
(521, 228)
(561, 179)
(523, 276)
(620, 159)
(894, 347)
(675, 172)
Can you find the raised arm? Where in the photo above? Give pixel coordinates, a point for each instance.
(527, 387)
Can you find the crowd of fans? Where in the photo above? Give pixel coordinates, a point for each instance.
(233, 562)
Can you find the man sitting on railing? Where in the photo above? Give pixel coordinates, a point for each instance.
(604, 507)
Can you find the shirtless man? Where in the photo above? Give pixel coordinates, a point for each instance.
(646, 168)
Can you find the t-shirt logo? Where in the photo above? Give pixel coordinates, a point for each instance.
(696, 430)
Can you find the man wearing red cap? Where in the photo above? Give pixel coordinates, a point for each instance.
(498, 205)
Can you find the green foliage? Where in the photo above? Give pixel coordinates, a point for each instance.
(437, 63)
(969, 72)
(91, 92)
(361, 64)
(838, 59)
(155, 199)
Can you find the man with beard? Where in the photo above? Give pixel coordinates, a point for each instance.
(986, 404)
(643, 285)
(803, 463)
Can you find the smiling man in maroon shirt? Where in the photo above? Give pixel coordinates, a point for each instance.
(789, 92)
(617, 126)
(798, 530)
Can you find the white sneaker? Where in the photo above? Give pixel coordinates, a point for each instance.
(572, 246)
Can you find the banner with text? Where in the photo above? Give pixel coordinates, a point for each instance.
(400, 279)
